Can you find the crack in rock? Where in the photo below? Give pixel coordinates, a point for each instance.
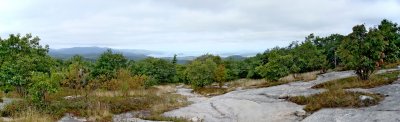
(215, 108)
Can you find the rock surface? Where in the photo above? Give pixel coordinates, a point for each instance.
(5, 102)
(71, 118)
(266, 104)
(387, 110)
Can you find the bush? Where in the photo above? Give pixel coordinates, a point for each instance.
(19, 56)
(108, 64)
(200, 74)
(76, 73)
(124, 81)
(161, 70)
(149, 82)
(42, 85)
(276, 68)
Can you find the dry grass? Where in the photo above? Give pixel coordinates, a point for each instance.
(334, 99)
(392, 65)
(101, 105)
(246, 83)
(337, 97)
(308, 76)
(12, 94)
(30, 115)
(354, 82)
(211, 91)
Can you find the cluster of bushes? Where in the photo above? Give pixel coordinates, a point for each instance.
(362, 50)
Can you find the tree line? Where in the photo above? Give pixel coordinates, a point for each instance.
(26, 67)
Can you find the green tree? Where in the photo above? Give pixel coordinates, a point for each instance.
(42, 84)
(19, 57)
(76, 73)
(220, 75)
(180, 76)
(108, 64)
(277, 67)
(328, 46)
(174, 60)
(361, 50)
(201, 73)
(307, 56)
(215, 59)
(391, 34)
(294, 69)
(235, 69)
(161, 70)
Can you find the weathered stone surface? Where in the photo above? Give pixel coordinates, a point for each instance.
(5, 102)
(266, 104)
(353, 115)
(387, 110)
(71, 118)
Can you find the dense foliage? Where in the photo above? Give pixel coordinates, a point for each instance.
(361, 50)
(161, 70)
(108, 64)
(20, 56)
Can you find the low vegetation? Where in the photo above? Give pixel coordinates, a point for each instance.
(101, 105)
(392, 65)
(337, 96)
(355, 82)
(334, 99)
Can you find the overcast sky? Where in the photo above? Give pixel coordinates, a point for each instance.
(188, 26)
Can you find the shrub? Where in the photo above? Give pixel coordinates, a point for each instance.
(161, 70)
(149, 82)
(19, 56)
(43, 84)
(108, 64)
(200, 74)
(124, 81)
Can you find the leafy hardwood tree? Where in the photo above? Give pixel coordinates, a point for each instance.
(307, 56)
(76, 73)
(19, 57)
(215, 59)
(361, 50)
(329, 45)
(43, 84)
(235, 69)
(161, 70)
(220, 75)
(277, 67)
(201, 73)
(108, 64)
(391, 34)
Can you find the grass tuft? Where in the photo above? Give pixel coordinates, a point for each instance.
(307, 76)
(334, 99)
(210, 91)
(354, 82)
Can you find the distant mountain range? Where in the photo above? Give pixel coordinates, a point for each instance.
(93, 53)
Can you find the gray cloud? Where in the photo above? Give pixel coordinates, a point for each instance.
(195, 26)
